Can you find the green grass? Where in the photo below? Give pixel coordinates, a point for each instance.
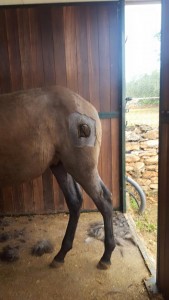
(133, 204)
(143, 224)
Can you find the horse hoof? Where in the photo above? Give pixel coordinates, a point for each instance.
(56, 264)
(103, 265)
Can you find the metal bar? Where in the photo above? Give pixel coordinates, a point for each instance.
(122, 104)
(145, 98)
(109, 115)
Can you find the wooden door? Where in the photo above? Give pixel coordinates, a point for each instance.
(78, 46)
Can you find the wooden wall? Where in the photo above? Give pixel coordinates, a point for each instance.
(75, 46)
(163, 204)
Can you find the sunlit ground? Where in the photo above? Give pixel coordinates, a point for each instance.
(148, 116)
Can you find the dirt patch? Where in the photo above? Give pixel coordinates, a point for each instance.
(31, 278)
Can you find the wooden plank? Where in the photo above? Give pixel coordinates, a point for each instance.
(15, 192)
(115, 162)
(93, 55)
(47, 44)
(48, 191)
(88, 204)
(25, 46)
(17, 198)
(70, 47)
(59, 201)
(114, 43)
(106, 154)
(82, 52)
(1, 202)
(104, 58)
(29, 205)
(38, 79)
(163, 211)
(59, 45)
(61, 79)
(83, 72)
(8, 200)
(93, 73)
(38, 195)
(36, 48)
(35, 188)
(5, 79)
(13, 48)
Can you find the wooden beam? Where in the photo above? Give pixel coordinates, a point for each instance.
(27, 2)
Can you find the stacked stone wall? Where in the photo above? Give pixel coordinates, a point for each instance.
(142, 155)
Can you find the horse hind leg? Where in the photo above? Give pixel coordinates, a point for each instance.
(96, 189)
(73, 197)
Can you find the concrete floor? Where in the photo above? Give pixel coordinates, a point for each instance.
(31, 278)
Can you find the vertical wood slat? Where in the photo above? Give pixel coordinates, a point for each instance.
(61, 79)
(82, 72)
(58, 196)
(36, 49)
(70, 47)
(114, 44)
(67, 45)
(104, 92)
(93, 55)
(14, 49)
(38, 195)
(15, 193)
(115, 164)
(29, 205)
(8, 206)
(48, 191)
(18, 200)
(59, 45)
(93, 73)
(104, 58)
(1, 202)
(24, 45)
(82, 55)
(5, 79)
(106, 169)
(163, 212)
(47, 44)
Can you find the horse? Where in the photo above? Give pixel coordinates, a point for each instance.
(54, 127)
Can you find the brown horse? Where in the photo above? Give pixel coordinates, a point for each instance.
(55, 127)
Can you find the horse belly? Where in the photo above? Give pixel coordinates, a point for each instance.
(24, 160)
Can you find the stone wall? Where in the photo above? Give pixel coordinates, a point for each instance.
(142, 155)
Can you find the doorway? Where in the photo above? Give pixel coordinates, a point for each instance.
(142, 53)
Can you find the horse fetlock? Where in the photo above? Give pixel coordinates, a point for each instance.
(103, 265)
(56, 263)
